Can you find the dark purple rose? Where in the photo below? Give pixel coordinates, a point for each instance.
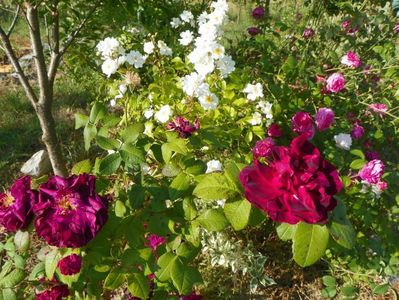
(154, 241)
(296, 185)
(302, 123)
(253, 31)
(324, 118)
(16, 206)
(183, 126)
(357, 131)
(54, 293)
(371, 155)
(308, 33)
(258, 12)
(263, 148)
(70, 265)
(274, 131)
(193, 296)
(69, 213)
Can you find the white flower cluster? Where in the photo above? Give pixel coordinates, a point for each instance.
(255, 92)
(207, 55)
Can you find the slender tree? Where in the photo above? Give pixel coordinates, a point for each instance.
(46, 67)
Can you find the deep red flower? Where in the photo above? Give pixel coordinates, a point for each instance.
(258, 12)
(183, 126)
(302, 123)
(308, 33)
(70, 265)
(296, 185)
(253, 31)
(69, 213)
(54, 293)
(274, 131)
(154, 241)
(16, 206)
(263, 148)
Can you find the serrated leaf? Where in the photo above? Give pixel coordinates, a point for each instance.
(286, 231)
(341, 228)
(184, 277)
(89, 133)
(132, 132)
(51, 261)
(114, 279)
(179, 186)
(36, 271)
(237, 213)
(12, 279)
(232, 172)
(110, 164)
(131, 154)
(97, 112)
(214, 186)
(9, 294)
(309, 243)
(213, 220)
(138, 285)
(80, 120)
(81, 167)
(107, 143)
(165, 263)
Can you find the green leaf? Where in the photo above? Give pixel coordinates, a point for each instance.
(179, 186)
(329, 281)
(80, 120)
(81, 167)
(22, 241)
(9, 294)
(138, 285)
(189, 208)
(232, 172)
(107, 143)
(286, 231)
(132, 132)
(381, 289)
(37, 271)
(89, 133)
(309, 243)
(5, 269)
(97, 112)
(358, 153)
(12, 279)
(184, 277)
(110, 164)
(341, 228)
(131, 154)
(115, 279)
(213, 220)
(357, 164)
(120, 209)
(214, 186)
(51, 261)
(165, 263)
(237, 213)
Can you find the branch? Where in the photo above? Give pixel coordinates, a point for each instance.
(55, 47)
(14, 21)
(14, 61)
(37, 46)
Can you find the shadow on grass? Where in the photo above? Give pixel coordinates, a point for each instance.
(20, 133)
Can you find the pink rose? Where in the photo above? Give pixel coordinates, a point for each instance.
(379, 108)
(302, 123)
(335, 83)
(263, 148)
(324, 118)
(357, 131)
(372, 171)
(351, 60)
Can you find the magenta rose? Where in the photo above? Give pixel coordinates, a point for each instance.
(154, 241)
(70, 265)
(263, 148)
(335, 83)
(371, 155)
(274, 131)
(324, 118)
(183, 126)
(351, 60)
(372, 171)
(253, 31)
(357, 131)
(16, 205)
(302, 123)
(258, 12)
(54, 293)
(308, 33)
(296, 185)
(69, 213)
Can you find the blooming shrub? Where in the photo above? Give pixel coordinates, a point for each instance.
(291, 130)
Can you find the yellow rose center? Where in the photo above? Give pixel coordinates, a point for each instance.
(65, 204)
(209, 99)
(7, 200)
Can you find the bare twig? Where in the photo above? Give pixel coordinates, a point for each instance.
(14, 61)
(14, 21)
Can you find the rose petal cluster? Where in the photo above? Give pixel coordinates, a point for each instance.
(351, 60)
(263, 148)
(302, 123)
(258, 12)
(154, 241)
(308, 33)
(335, 83)
(16, 205)
(253, 31)
(56, 292)
(183, 126)
(297, 184)
(379, 108)
(324, 118)
(372, 171)
(70, 265)
(69, 213)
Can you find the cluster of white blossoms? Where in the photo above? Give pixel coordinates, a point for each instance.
(207, 54)
(255, 92)
(114, 55)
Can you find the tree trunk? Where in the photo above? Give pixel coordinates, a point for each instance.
(49, 138)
